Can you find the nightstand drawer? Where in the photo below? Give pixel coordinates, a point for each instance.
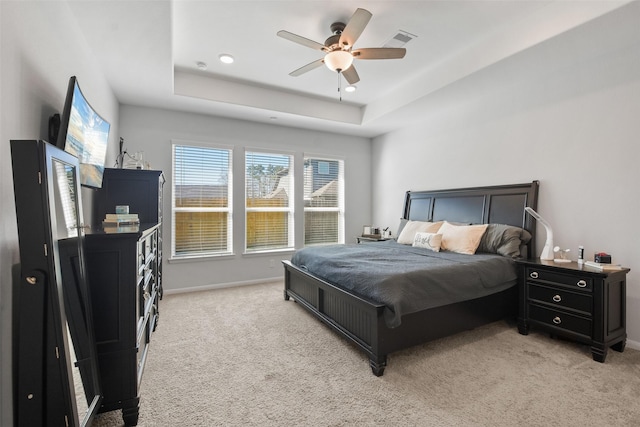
(561, 298)
(584, 283)
(559, 319)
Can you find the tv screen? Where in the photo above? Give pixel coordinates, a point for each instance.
(84, 134)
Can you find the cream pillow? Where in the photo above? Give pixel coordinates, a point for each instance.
(428, 240)
(463, 239)
(409, 231)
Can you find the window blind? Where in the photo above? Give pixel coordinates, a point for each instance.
(268, 201)
(323, 201)
(201, 201)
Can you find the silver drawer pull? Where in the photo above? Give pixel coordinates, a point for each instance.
(534, 274)
(557, 298)
(582, 283)
(557, 320)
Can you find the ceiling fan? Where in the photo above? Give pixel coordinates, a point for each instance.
(339, 47)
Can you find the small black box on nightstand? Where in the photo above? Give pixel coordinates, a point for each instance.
(602, 258)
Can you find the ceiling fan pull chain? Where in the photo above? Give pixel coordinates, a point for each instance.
(339, 87)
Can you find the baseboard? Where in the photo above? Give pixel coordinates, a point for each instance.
(633, 344)
(221, 286)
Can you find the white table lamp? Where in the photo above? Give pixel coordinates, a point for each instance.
(547, 251)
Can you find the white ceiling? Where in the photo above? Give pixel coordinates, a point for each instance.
(149, 50)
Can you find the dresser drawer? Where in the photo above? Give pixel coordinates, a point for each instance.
(561, 298)
(573, 281)
(559, 319)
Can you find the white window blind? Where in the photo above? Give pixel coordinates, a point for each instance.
(201, 201)
(268, 201)
(323, 201)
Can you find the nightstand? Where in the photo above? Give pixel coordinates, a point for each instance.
(574, 301)
(366, 239)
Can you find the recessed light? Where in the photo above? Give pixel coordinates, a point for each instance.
(226, 58)
(201, 65)
(350, 88)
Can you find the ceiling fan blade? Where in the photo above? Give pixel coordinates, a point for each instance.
(310, 66)
(355, 27)
(379, 53)
(301, 40)
(351, 75)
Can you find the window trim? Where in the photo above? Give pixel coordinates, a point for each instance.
(290, 210)
(341, 208)
(229, 209)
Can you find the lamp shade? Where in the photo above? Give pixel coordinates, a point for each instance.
(547, 251)
(338, 60)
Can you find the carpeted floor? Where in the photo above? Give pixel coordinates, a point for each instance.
(244, 356)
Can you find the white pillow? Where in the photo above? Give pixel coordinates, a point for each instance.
(463, 239)
(409, 231)
(428, 240)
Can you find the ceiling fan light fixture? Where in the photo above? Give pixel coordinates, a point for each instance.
(338, 60)
(226, 58)
(350, 88)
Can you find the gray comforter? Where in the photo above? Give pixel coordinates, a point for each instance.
(407, 279)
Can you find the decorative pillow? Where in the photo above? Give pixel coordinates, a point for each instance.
(428, 240)
(412, 227)
(504, 240)
(463, 239)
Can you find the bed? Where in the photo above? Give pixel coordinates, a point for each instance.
(369, 319)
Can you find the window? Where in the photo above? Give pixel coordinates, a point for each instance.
(201, 201)
(323, 201)
(268, 201)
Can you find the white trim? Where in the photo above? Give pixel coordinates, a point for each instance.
(289, 210)
(307, 154)
(175, 143)
(633, 344)
(207, 257)
(222, 286)
(204, 144)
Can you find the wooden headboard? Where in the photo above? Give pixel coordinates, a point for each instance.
(500, 204)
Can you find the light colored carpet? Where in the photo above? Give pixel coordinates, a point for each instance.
(244, 356)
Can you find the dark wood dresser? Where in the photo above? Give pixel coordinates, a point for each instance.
(124, 271)
(574, 301)
(141, 190)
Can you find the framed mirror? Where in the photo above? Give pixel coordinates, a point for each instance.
(57, 374)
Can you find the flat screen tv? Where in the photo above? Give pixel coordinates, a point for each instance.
(84, 134)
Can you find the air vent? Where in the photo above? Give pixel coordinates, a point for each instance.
(400, 39)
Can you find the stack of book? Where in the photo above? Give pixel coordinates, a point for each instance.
(602, 266)
(120, 222)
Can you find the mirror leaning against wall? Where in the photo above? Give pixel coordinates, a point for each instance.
(55, 359)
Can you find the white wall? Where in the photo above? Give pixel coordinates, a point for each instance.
(152, 131)
(565, 112)
(40, 49)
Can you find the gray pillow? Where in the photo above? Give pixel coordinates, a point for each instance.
(403, 222)
(504, 240)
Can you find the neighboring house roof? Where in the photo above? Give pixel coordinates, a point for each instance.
(278, 193)
(328, 190)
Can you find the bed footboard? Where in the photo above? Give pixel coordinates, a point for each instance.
(355, 318)
(361, 321)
